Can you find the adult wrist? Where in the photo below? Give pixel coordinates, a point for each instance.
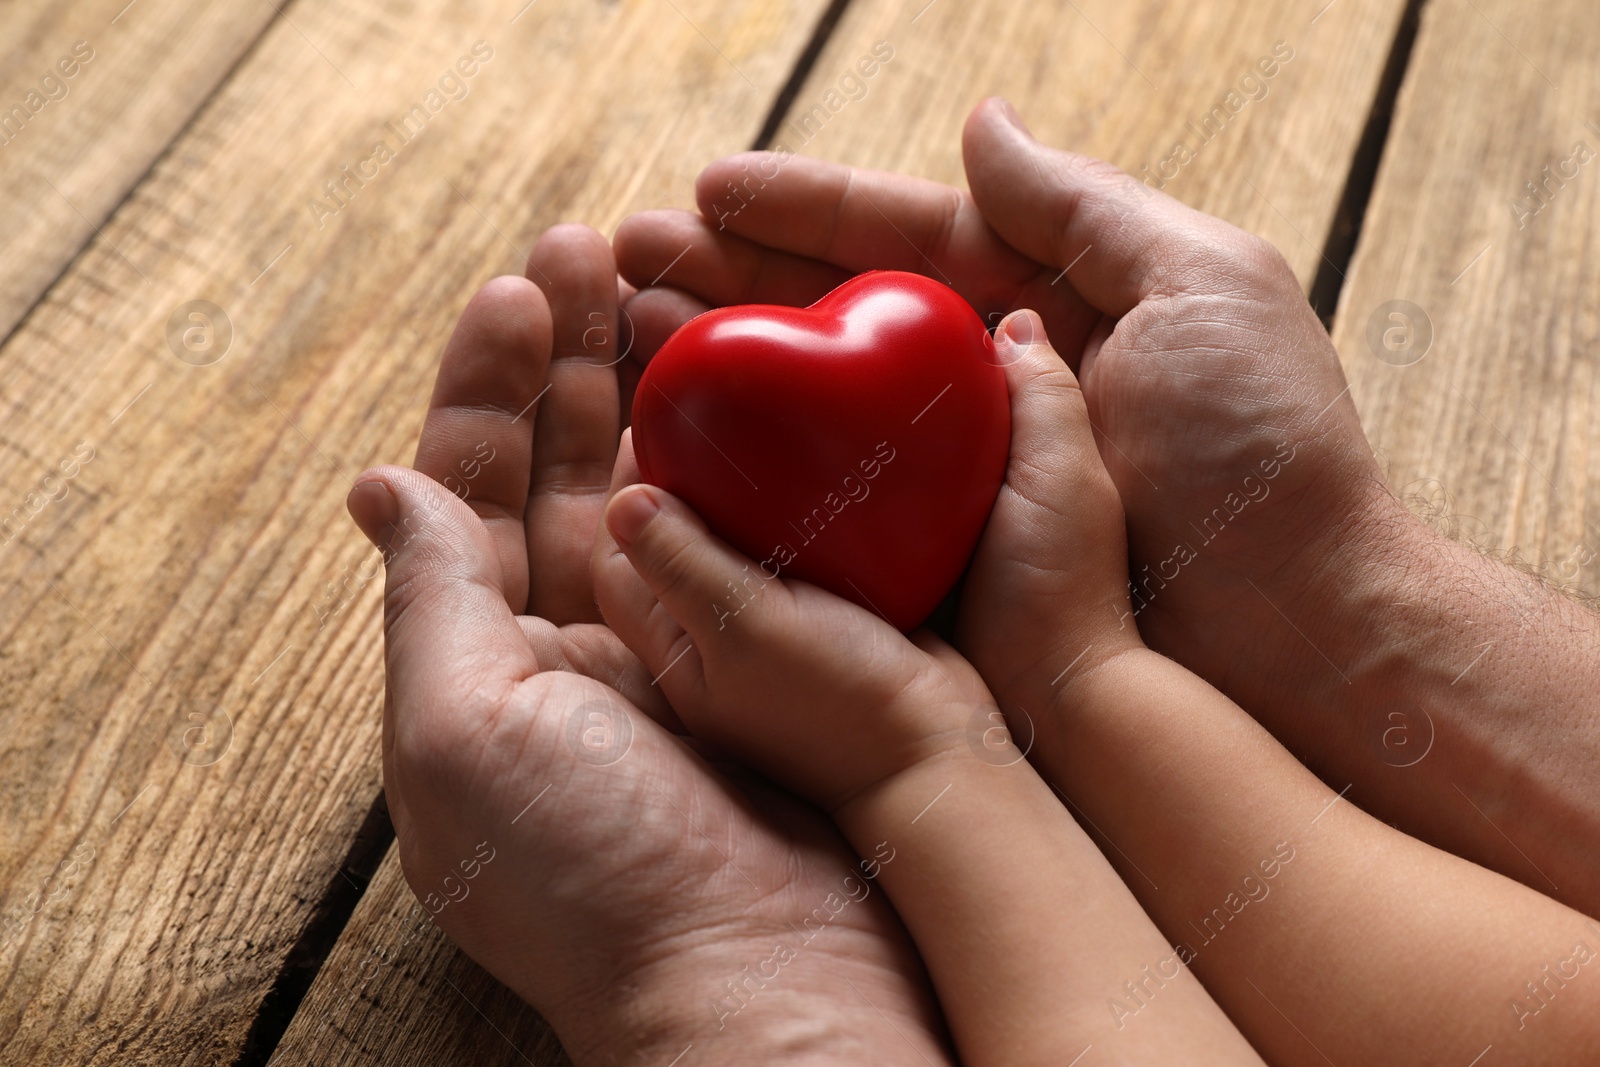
(1458, 695)
(730, 1016)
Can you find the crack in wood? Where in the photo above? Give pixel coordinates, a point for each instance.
(1345, 231)
(322, 930)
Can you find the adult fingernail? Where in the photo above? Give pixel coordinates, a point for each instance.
(629, 512)
(1012, 117)
(373, 506)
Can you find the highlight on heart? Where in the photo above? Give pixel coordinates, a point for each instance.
(749, 412)
(890, 471)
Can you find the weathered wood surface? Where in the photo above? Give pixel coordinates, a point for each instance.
(191, 669)
(1492, 427)
(90, 94)
(376, 1003)
(1128, 82)
(397, 991)
(191, 659)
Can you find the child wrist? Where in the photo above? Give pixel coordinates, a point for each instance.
(1070, 663)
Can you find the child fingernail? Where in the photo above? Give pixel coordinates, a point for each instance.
(628, 514)
(1023, 328)
(375, 510)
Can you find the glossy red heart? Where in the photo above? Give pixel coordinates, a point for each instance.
(857, 444)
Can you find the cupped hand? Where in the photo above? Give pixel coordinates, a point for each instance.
(820, 694)
(1217, 400)
(547, 814)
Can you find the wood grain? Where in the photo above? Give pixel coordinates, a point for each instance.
(396, 991)
(90, 94)
(1122, 80)
(374, 1003)
(191, 654)
(1491, 430)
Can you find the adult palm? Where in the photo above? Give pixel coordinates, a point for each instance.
(547, 813)
(1199, 359)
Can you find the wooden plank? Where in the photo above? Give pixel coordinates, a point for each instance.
(395, 990)
(93, 92)
(377, 1000)
(1492, 429)
(1125, 80)
(191, 665)
(1076, 87)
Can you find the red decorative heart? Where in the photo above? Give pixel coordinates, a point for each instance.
(857, 444)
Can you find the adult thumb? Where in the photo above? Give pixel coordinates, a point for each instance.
(448, 628)
(1117, 239)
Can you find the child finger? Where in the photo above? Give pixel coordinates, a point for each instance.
(628, 605)
(701, 581)
(1054, 457)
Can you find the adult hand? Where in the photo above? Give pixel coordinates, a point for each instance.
(641, 898)
(1267, 552)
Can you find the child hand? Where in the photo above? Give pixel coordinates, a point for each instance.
(893, 737)
(503, 690)
(821, 695)
(1046, 598)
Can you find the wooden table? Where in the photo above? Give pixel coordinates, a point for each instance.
(196, 863)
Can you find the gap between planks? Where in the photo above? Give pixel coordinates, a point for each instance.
(802, 70)
(329, 918)
(71, 262)
(376, 835)
(1344, 232)
(338, 902)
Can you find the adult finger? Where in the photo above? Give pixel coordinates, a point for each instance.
(649, 317)
(473, 442)
(448, 630)
(595, 651)
(576, 431)
(1117, 239)
(683, 250)
(862, 220)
